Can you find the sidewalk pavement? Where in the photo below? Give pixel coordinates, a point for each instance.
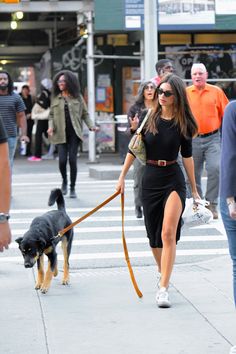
(107, 167)
(99, 312)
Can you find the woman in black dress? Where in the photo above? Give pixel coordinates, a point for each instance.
(169, 129)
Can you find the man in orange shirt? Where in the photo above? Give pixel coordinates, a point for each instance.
(207, 103)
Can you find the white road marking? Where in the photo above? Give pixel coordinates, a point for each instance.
(137, 240)
(69, 210)
(96, 229)
(119, 255)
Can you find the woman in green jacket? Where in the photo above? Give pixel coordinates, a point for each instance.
(67, 113)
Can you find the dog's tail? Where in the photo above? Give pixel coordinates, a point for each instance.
(56, 196)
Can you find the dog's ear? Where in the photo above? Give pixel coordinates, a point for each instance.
(41, 242)
(19, 240)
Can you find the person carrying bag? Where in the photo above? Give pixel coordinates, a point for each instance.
(40, 113)
(136, 144)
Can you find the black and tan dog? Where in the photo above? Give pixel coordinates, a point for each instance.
(38, 240)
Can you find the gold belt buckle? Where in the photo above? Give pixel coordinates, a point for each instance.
(161, 163)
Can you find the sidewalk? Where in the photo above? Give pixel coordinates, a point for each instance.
(22, 165)
(100, 313)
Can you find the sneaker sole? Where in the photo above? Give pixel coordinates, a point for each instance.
(163, 304)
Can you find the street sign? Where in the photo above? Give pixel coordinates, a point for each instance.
(134, 14)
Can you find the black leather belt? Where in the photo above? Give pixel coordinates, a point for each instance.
(208, 134)
(160, 163)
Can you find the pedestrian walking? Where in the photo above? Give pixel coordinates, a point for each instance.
(163, 67)
(67, 114)
(27, 99)
(228, 185)
(170, 128)
(145, 100)
(13, 114)
(207, 103)
(5, 189)
(40, 114)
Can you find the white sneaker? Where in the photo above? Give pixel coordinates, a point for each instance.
(162, 298)
(233, 350)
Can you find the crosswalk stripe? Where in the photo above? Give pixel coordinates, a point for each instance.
(69, 210)
(119, 255)
(90, 219)
(97, 218)
(138, 240)
(92, 230)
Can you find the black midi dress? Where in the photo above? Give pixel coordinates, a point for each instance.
(159, 182)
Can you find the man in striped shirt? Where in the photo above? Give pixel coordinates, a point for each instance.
(12, 110)
(5, 190)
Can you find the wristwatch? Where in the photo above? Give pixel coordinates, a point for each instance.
(4, 217)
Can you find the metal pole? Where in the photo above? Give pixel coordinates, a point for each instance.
(91, 85)
(142, 73)
(150, 38)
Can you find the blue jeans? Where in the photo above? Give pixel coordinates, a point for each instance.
(12, 142)
(230, 228)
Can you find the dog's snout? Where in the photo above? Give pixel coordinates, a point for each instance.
(28, 265)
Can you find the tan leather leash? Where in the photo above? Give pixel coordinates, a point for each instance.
(113, 196)
(126, 249)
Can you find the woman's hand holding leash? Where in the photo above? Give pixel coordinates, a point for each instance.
(120, 187)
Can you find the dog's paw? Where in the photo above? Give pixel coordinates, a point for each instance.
(44, 290)
(45, 287)
(37, 286)
(65, 282)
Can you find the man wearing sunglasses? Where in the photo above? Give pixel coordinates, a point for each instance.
(207, 103)
(163, 67)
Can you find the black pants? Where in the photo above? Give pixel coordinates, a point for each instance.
(30, 124)
(42, 127)
(70, 148)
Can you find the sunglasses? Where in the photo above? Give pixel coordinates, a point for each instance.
(165, 93)
(149, 87)
(61, 81)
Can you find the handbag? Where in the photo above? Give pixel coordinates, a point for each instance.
(196, 213)
(39, 112)
(136, 144)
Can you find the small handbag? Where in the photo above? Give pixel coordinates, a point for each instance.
(39, 112)
(136, 144)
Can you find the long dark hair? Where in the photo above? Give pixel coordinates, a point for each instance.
(72, 84)
(10, 85)
(183, 116)
(140, 96)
